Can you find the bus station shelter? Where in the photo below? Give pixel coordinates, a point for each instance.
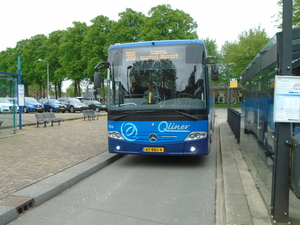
(8, 91)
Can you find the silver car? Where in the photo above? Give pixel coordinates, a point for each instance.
(6, 106)
(73, 104)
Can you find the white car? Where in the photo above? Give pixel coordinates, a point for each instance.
(6, 106)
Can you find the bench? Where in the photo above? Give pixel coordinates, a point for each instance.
(46, 117)
(52, 118)
(40, 119)
(90, 114)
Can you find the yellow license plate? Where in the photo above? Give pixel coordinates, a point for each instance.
(62, 108)
(153, 149)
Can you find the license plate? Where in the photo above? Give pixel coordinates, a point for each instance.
(62, 108)
(153, 149)
(39, 108)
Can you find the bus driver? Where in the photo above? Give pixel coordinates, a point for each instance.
(151, 94)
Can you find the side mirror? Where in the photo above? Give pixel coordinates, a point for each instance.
(97, 80)
(102, 65)
(209, 60)
(214, 72)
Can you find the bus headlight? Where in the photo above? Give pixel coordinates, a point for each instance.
(115, 134)
(196, 135)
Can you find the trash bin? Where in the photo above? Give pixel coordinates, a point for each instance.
(295, 165)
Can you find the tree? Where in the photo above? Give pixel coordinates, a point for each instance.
(33, 72)
(70, 56)
(168, 24)
(8, 61)
(73, 53)
(95, 45)
(243, 51)
(6, 83)
(128, 28)
(56, 75)
(296, 14)
(211, 47)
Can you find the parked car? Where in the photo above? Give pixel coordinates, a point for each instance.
(53, 105)
(6, 106)
(73, 104)
(32, 105)
(95, 105)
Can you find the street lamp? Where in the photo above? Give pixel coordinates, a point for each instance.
(48, 93)
(228, 91)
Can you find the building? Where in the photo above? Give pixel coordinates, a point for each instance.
(221, 94)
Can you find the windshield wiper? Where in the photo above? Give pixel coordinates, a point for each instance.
(184, 114)
(150, 111)
(132, 113)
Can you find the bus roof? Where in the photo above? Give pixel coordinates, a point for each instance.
(150, 43)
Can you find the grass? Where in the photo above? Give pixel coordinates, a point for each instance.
(225, 106)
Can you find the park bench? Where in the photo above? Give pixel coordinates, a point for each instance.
(40, 118)
(47, 117)
(52, 118)
(90, 114)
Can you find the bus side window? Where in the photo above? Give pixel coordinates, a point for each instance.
(297, 129)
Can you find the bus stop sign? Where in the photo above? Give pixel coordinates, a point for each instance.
(233, 82)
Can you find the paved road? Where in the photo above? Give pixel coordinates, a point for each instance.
(36, 153)
(238, 203)
(138, 190)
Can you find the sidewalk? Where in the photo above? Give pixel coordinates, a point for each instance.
(33, 170)
(239, 202)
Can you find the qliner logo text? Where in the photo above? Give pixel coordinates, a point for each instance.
(130, 130)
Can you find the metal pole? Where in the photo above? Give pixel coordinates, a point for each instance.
(19, 82)
(228, 91)
(280, 184)
(48, 80)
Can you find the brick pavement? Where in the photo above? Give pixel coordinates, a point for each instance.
(36, 153)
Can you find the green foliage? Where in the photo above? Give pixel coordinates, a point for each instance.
(73, 53)
(8, 61)
(296, 14)
(94, 48)
(70, 91)
(128, 28)
(55, 69)
(242, 52)
(165, 23)
(70, 54)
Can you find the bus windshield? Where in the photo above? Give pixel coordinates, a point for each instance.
(161, 77)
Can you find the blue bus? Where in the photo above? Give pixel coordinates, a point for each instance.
(258, 91)
(160, 100)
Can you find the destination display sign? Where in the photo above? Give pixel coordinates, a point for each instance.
(152, 54)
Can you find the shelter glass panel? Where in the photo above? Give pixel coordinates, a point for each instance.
(8, 104)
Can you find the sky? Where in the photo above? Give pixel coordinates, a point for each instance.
(220, 20)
